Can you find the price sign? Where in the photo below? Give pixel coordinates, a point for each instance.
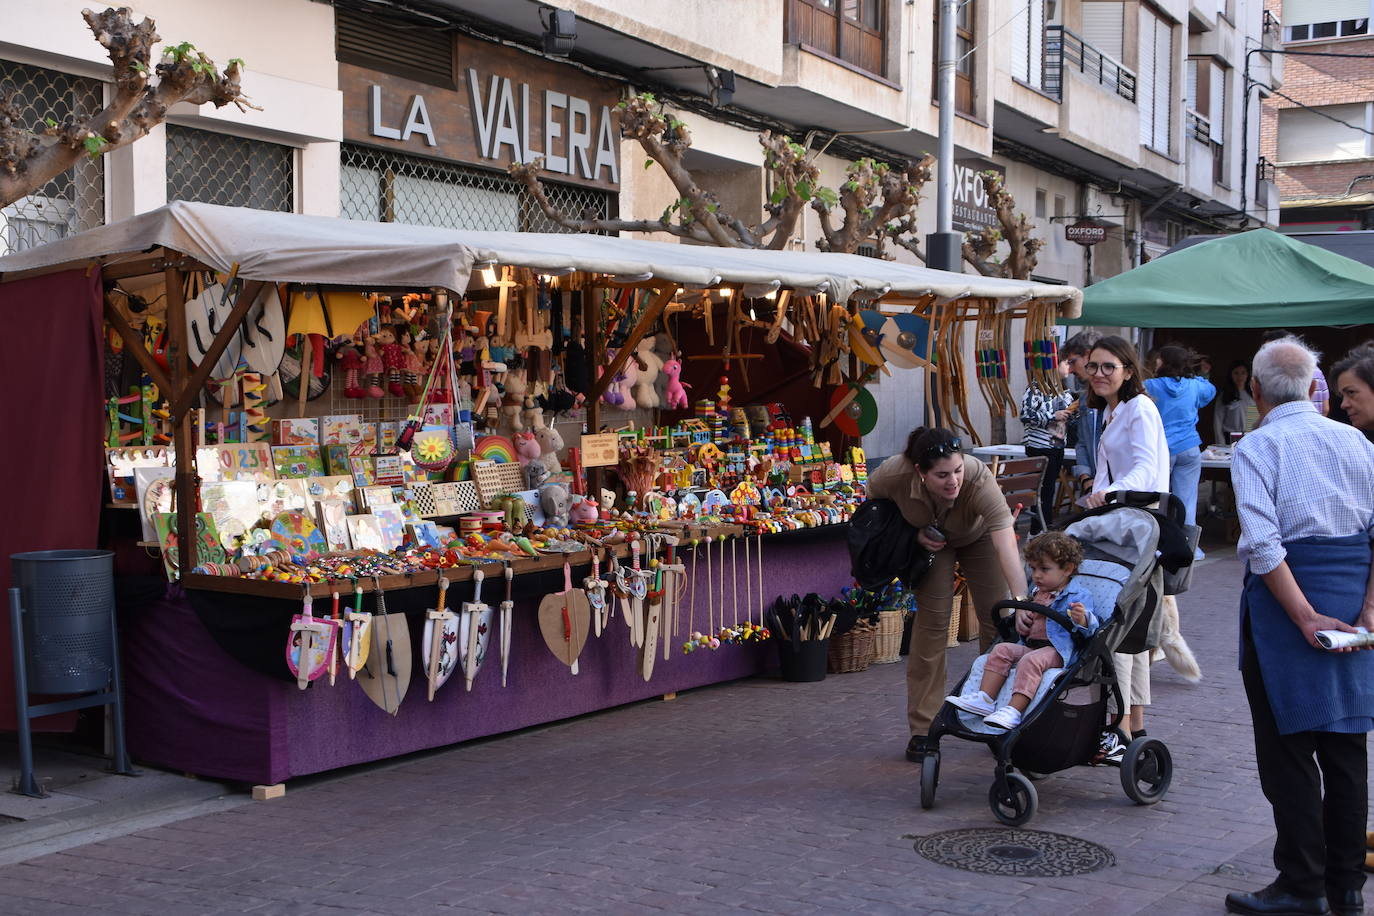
(600, 450)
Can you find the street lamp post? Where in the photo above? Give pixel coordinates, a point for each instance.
(943, 246)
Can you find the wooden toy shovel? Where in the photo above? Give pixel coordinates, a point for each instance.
(564, 619)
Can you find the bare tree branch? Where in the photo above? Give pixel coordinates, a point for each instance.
(980, 247)
(29, 160)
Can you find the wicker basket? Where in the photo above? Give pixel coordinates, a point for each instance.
(955, 615)
(851, 651)
(887, 643)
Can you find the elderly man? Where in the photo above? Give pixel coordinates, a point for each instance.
(1305, 492)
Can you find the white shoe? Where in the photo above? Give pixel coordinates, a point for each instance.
(1007, 717)
(980, 704)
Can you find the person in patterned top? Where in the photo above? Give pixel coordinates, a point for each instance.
(1045, 419)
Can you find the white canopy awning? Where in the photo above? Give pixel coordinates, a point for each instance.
(289, 247)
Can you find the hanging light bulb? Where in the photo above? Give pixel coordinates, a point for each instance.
(489, 276)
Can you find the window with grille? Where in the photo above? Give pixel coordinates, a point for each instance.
(390, 188)
(216, 168)
(74, 200)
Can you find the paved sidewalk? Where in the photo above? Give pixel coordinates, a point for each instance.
(758, 796)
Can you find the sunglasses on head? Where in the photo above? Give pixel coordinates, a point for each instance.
(951, 447)
(1101, 368)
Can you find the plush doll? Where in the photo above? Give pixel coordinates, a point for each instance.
(532, 414)
(526, 448)
(393, 361)
(412, 366)
(554, 499)
(467, 354)
(352, 365)
(550, 441)
(373, 369)
(620, 392)
(675, 392)
(536, 475)
(645, 391)
(583, 511)
(513, 399)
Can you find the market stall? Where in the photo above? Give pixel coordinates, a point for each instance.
(462, 453)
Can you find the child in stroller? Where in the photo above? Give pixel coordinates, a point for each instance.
(1074, 707)
(1053, 558)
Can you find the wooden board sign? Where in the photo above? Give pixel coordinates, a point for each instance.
(600, 450)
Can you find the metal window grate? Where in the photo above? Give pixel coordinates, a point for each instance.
(386, 187)
(216, 168)
(74, 200)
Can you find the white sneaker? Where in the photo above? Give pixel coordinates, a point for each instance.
(1007, 717)
(980, 704)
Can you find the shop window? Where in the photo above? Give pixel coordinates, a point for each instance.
(216, 168)
(390, 188)
(74, 200)
(852, 31)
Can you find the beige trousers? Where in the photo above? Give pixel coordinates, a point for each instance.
(925, 665)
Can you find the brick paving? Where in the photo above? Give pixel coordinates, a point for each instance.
(752, 797)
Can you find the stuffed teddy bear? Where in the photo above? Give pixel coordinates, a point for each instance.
(675, 392)
(645, 391)
(550, 441)
(536, 475)
(555, 501)
(513, 399)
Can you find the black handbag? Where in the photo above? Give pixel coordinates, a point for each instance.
(883, 547)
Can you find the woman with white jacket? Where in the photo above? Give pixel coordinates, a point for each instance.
(1132, 454)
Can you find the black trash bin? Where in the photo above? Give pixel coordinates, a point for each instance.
(67, 596)
(62, 629)
(803, 662)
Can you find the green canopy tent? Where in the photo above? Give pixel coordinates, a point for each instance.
(1257, 279)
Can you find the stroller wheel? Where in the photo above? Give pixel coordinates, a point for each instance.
(1147, 769)
(930, 778)
(1014, 800)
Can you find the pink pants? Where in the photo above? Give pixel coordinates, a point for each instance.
(1031, 665)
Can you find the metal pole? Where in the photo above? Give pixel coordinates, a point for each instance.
(943, 245)
(23, 721)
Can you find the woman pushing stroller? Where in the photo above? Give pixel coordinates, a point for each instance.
(1053, 558)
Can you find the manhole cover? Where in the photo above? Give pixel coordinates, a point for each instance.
(1018, 853)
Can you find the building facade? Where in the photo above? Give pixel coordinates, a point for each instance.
(1126, 114)
(1318, 129)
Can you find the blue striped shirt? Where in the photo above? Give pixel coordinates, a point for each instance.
(1300, 475)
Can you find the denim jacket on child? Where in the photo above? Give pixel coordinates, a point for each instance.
(1058, 636)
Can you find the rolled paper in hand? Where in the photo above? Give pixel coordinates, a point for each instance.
(1339, 639)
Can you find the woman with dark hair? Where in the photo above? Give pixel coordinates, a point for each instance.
(1179, 394)
(1235, 411)
(1354, 377)
(960, 514)
(1133, 454)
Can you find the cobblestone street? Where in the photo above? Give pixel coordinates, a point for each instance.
(757, 796)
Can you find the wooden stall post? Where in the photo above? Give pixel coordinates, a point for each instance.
(596, 345)
(182, 441)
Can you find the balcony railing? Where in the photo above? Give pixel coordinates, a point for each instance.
(1064, 49)
(1198, 127)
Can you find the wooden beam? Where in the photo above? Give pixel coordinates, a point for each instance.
(133, 342)
(591, 336)
(651, 314)
(187, 396)
(182, 442)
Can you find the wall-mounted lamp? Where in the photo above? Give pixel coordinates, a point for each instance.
(560, 31)
(722, 83)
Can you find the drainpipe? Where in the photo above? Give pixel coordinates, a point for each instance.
(942, 245)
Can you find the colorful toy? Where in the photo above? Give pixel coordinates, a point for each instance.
(675, 392)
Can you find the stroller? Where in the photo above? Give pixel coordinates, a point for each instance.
(1068, 717)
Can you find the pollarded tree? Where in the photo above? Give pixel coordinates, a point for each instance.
(873, 195)
(31, 156)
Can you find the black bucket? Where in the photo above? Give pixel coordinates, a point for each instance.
(805, 662)
(68, 601)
